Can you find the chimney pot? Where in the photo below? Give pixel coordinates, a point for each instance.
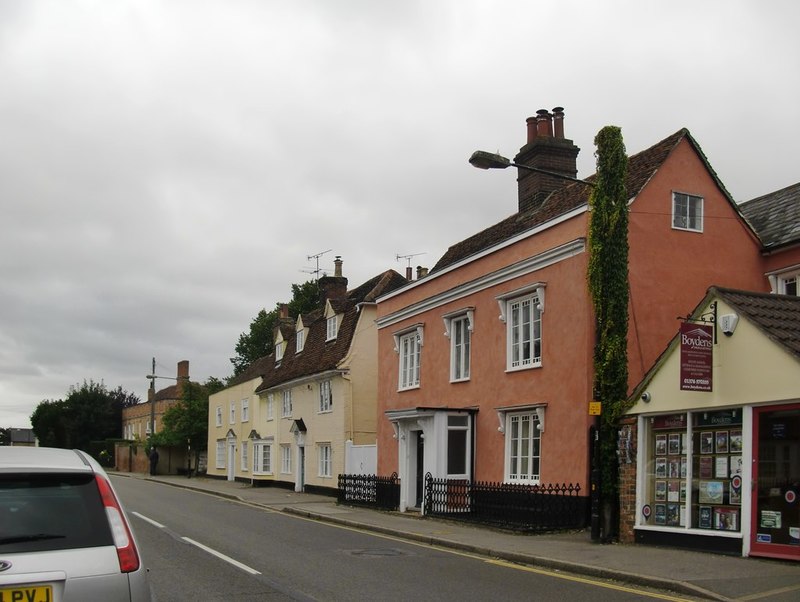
(409, 273)
(558, 122)
(337, 270)
(531, 123)
(544, 123)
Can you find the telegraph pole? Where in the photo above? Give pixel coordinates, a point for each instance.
(152, 399)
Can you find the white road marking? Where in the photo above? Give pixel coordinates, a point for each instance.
(211, 551)
(149, 520)
(222, 556)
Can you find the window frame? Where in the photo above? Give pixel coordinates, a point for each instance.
(232, 415)
(466, 430)
(245, 410)
(300, 340)
(324, 460)
(244, 455)
(222, 454)
(331, 327)
(683, 219)
(262, 457)
(286, 458)
(534, 454)
(534, 298)
(270, 406)
(219, 416)
(286, 405)
(788, 281)
(408, 346)
(460, 324)
(325, 397)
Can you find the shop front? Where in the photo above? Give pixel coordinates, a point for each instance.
(717, 465)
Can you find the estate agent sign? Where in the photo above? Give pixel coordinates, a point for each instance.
(696, 342)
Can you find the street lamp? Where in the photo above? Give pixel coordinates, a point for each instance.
(486, 160)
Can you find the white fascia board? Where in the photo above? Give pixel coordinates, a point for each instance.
(521, 268)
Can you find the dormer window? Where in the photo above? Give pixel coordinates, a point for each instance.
(332, 327)
(278, 351)
(331, 322)
(300, 335)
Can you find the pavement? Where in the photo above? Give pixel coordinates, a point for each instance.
(695, 574)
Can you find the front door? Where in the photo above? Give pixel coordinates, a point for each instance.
(420, 470)
(300, 481)
(231, 459)
(776, 482)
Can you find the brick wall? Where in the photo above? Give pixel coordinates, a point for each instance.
(627, 479)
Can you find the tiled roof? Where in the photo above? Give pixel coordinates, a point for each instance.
(775, 216)
(169, 393)
(255, 370)
(373, 288)
(318, 354)
(777, 316)
(641, 168)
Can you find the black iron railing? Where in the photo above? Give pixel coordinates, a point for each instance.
(519, 507)
(369, 490)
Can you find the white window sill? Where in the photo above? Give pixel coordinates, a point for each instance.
(526, 367)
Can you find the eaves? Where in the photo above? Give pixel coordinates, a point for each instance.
(510, 272)
(488, 251)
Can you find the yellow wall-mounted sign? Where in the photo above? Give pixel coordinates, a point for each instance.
(595, 408)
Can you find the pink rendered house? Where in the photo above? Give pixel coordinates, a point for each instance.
(485, 362)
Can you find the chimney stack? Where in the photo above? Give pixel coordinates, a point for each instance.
(547, 149)
(183, 376)
(409, 273)
(333, 287)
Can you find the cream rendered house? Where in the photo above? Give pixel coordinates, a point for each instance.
(241, 430)
(306, 413)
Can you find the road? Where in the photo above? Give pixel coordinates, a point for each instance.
(203, 548)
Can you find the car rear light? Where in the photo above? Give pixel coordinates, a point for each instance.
(123, 540)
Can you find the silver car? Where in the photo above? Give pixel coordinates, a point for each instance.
(63, 532)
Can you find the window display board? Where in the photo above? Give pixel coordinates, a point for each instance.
(667, 480)
(694, 478)
(717, 470)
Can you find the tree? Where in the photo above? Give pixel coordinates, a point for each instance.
(186, 422)
(89, 413)
(608, 286)
(258, 341)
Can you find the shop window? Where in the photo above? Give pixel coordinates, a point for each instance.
(694, 474)
(717, 470)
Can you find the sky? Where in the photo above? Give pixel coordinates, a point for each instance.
(170, 167)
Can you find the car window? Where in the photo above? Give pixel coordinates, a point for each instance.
(40, 512)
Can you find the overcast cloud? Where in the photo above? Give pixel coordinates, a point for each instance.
(167, 167)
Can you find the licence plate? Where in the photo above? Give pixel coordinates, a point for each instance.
(34, 593)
